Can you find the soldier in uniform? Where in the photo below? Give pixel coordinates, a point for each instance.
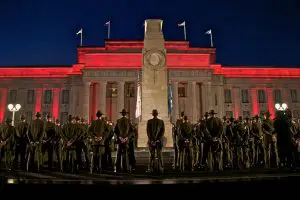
(175, 140)
(85, 137)
(48, 142)
(260, 153)
(132, 146)
(123, 131)
(21, 140)
(227, 142)
(251, 142)
(204, 145)
(69, 137)
(58, 144)
(215, 130)
(155, 133)
(36, 134)
(81, 149)
(98, 131)
(185, 144)
(7, 133)
(268, 130)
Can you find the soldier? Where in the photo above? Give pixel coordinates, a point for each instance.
(155, 133)
(175, 140)
(21, 140)
(227, 142)
(214, 130)
(205, 140)
(268, 130)
(81, 149)
(185, 144)
(85, 138)
(58, 143)
(98, 131)
(109, 146)
(48, 142)
(251, 142)
(7, 133)
(132, 146)
(260, 153)
(69, 137)
(35, 135)
(123, 131)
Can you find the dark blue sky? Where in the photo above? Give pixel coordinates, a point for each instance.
(256, 32)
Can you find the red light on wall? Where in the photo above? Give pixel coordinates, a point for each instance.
(38, 99)
(3, 105)
(254, 101)
(55, 106)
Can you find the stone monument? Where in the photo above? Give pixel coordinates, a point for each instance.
(154, 85)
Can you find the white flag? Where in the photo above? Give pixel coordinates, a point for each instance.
(182, 24)
(107, 23)
(79, 32)
(138, 110)
(208, 32)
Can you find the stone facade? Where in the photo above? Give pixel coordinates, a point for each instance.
(105, 78)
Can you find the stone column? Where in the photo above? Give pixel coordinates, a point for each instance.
(86, 100)
(38, 100)
(204, 99)
(236, 102)
(175, 101)
(120, 98)
(194, 103)
(209, 96)
(3, 103)
(254, 101)
(221, 100)
(102, 99)
(72, 101)
(285, 96)
(271, 104)
(21, 99)
(189, 110)
(56, 103)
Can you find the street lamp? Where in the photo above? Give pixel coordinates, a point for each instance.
(281, 107)
(13, 108)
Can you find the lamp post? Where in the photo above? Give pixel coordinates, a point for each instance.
(281, 107)
(13, 108)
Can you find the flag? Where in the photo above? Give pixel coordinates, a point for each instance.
(170, 100)
(182, 24)
(107, 23)
(208, 32)
(138, 110)
(79, 32)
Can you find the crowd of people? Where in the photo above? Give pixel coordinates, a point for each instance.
(212, 144)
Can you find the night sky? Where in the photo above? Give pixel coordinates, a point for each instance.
(256, 32)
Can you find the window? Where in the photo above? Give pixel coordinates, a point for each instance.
(12, 96)
(65, 96)
(277, 96)
(182, 90)
(63, 117)
(246, 114)
(216, 100)
(228, 114)
(30, 96)
(48, 97)
(227, 95)
(294, 95)
(29, 116)
(111, 90)
(261, 96)
(130, 90)
(45, 115)
(245, 96)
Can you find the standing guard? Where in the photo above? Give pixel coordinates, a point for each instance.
(48, 143)
(109, 147)
(69, 137)
(215, 130)
(251, 142)
(7, 133)
(123, 131)
(132, 146)
(155, 132)
(227, 142)
(204, 146)
(21, 140)
(98, 131)
(57, 146)
(175, 140)
(35, 135)
(260, 153)
(185, 144)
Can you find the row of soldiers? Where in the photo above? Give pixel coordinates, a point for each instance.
(215, 144)
(75, 144)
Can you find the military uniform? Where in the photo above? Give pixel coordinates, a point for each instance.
(58, 144)
(7, 147)
(123, 131)
(21, 140)
(132, 146)
(155, 133)
(82, 153)
(227, 142)
(260, 153)
(98, 131)
(69, 137)
(185, 144)
(204, 144)
(48, 143)
(175, 140)
(36, 134)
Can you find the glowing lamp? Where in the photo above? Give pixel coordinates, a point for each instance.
(10, 107)
(277, 106)
(284, 106)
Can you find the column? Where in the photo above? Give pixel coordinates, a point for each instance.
(194, 102)
(55, 103)
(209, 95)
(236, 102)
(271, 104)
(254, 101)
(72, 101)
(102, 99)
(189, 102)
(38, 100)
(221, 100)
(204, 99)
(175, 101)
(285, 96)
(22, 100)
(86, 100)
(3, 104)
(120, 97)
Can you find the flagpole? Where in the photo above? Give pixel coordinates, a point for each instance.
(81, 37)
(211, 40)
(184, 31)
(108, 31)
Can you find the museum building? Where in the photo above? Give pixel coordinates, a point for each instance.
(106, 78)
